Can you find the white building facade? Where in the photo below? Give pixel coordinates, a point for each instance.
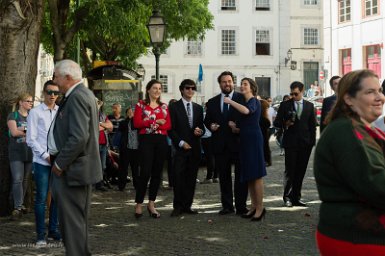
(251, 38)
(354, 33)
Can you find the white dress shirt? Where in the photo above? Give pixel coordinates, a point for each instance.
(192, 115)
(39, 120)
(223, 96)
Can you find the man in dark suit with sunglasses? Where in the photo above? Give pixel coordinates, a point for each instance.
(187, 129)
(297, 117)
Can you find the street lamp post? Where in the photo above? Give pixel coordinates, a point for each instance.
(156, 28)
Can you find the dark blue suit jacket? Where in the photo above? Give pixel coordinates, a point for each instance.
(327, 105)
(223, 139)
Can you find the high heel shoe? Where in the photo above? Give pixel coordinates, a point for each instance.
(155, 215)
(138, 215)
(248, 215)
(262, 216)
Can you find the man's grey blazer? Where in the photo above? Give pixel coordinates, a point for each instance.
(76, 135)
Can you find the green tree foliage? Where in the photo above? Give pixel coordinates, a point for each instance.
(116, 29)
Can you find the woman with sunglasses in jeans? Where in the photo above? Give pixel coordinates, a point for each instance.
(20, 155)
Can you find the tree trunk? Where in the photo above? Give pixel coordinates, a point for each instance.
(20, 28)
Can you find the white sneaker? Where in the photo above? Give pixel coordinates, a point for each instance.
(41, 243)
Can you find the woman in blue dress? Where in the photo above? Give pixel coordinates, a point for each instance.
(251, 151)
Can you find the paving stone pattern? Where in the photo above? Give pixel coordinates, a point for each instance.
(115, 231)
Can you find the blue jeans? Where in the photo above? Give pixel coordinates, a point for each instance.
(42, 175)
(21, 172)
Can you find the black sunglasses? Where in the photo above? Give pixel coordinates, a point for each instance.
(50, 92)
(294, 94)
(191, 88)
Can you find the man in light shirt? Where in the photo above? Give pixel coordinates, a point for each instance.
(39, 121)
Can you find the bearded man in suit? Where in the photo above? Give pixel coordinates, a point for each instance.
(74, 154)
(225, 142)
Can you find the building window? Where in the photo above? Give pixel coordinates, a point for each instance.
(164, 80)
(194, 48)
(262, 42)
(344, 10)
(235, 80)
(346, 61)
(371, 7)
(372, 60)
(228, 41)
(228, 5)
(310, 36)
(310, 2)
(262, 5)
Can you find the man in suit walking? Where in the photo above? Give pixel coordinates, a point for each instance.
(225, 141)
(328, 102)
(297, 117)
(74, 153)
(187, 128)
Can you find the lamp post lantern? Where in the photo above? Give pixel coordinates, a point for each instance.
(157, 30)
(288, 58)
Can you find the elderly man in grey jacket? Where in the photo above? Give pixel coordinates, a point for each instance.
(73, 146)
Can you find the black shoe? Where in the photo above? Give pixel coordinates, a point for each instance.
(225, 211)
(299, 203)
(176, 212)
(155, 215)
(190, 211)
(248, 215)
(242, 211)
(262, 216)
(138, 215)
(288, 203)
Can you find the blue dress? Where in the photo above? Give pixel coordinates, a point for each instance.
(251, 149)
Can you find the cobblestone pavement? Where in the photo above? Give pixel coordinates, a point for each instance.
(115, 231)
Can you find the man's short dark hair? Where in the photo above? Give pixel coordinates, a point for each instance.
(225, 73)
(297, 84)
(185, 83)
(49, 82)
(332, 79)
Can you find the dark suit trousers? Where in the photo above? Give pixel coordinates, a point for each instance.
(296, 160)
(186, 170)
(210, 160)
(152, 154)
(128, 157)
(223, 164)
(73, 204)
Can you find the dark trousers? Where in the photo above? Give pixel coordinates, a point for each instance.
(186, 171)
(152, 153)
(296, 160)
(223, 164)
(73, 204)
(210, 160)
(128, 157)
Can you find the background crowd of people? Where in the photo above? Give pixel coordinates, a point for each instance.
(75, 146)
